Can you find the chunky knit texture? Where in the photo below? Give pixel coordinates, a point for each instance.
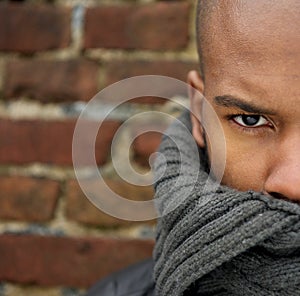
(213, 240)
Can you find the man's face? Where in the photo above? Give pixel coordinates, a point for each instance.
(252, 80)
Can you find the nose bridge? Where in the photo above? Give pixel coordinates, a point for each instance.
(284, 177)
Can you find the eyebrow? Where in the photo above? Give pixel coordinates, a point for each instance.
(231, 101)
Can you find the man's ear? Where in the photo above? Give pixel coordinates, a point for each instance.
(196, 89)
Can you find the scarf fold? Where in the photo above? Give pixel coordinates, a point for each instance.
(213, 240)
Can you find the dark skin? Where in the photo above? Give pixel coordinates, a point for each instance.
(252, 81)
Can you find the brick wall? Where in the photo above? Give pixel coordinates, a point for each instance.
(54, 57)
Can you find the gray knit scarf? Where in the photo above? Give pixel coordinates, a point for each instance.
(219, 241)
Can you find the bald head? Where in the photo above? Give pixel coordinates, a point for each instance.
(237, 23)
(204, 8)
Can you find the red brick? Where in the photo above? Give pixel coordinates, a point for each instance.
(51, 81)
(159, 26)
(27, 141)
(80, 209)
(73, 262)
(27, 199)
(144, 145)
(27, 29)
(119, 69)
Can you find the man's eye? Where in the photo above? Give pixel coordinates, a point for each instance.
(250, 120)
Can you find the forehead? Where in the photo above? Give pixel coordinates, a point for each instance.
(253, 48)
(262, 32)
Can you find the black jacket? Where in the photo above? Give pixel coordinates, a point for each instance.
(136, 280)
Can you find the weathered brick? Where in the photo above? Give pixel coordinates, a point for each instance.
(121, 69)
(73, 262)
(144, 145)
(51, 81)
(152, 26)
(28, 28)
(28, 199)
(80, 209)
(27, 141)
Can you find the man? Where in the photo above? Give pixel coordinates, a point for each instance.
(241, 238)
(251, 55)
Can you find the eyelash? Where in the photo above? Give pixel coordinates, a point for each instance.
(250, 130)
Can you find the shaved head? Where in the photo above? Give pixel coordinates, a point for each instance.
(220, 24)
(204, 8)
